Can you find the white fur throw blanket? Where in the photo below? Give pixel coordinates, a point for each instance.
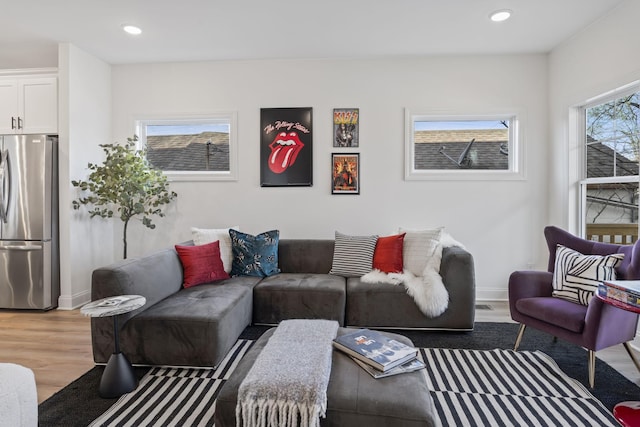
(287, 384)
(428, 290)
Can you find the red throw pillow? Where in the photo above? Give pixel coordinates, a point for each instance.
(201, 264)
(388, 254)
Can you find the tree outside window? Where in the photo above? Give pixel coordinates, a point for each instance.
(610, 188)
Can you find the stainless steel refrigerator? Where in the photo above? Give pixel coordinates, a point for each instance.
(29, 260)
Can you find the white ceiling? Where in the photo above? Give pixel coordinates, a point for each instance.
(194, 30)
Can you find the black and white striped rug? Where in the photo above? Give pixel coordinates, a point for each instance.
(469, 388)
(507, 388)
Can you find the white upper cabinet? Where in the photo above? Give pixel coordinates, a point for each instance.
(28, 105)
(8, 106)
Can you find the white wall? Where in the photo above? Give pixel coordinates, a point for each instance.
(499, 222)
(85, 122)
(602, 57)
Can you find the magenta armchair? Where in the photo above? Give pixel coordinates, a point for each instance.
(594, 327)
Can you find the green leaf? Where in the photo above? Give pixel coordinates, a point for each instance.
(125, 183)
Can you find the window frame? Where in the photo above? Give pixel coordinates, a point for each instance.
(223, 117)
(516, 170)
(581, 137)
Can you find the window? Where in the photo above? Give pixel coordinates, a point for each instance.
(609, 188)
(462, 147)
(192, 148)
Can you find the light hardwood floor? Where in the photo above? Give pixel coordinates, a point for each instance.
(56, 345)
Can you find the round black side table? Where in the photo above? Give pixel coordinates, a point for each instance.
(118, 377)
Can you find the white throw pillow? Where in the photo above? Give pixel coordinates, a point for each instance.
(576, 276)
(419, 246)
(202, 236)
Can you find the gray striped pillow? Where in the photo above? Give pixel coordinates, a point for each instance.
(576, 276)
(353, 255)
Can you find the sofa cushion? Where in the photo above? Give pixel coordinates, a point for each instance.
(299, 296)
(353, 255)
(419, 246)
(383, 305)
(202, 236)
(254, 255)
(388, 254)
(196, 326)
(555, 311)
(201, 264)
(576, 276)
(305, 255)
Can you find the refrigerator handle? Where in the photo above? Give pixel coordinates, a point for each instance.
(3, 167)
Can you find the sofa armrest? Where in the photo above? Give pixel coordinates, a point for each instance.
(607, 325)
(458, 275)
(528, 284)
(154, 276)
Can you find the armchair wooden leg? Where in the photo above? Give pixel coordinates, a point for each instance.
(631, 355)
(519, 337)
(592, 368)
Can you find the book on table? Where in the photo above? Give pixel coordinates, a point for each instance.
(375, 349)
(624, 297)
(410, 366)
(631, 287)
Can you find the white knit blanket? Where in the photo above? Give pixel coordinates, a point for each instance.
(428, 290)
(287, 384)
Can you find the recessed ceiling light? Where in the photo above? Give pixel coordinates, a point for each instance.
(131, 29)
(500, 15)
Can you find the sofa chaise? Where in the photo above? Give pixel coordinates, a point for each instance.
(197, 326)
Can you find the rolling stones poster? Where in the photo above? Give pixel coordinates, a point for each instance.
(345, 127)
(286, 147)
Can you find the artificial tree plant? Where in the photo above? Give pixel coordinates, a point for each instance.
(126, 183)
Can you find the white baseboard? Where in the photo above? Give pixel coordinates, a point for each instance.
(71, 302)
(492, 294)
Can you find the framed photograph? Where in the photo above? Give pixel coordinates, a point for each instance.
(345, 127)
(286, 147)
(345, 175)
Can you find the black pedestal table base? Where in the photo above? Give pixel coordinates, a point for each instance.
(118, 377)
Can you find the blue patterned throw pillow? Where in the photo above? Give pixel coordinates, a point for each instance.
(254, 255)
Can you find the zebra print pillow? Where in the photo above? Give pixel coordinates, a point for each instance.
(576, 276)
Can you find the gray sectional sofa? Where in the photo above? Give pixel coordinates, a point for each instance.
(197, 326)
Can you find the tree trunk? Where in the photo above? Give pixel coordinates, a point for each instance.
(124, 238)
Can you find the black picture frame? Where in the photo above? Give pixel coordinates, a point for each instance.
(286, 147)
(345, 173)
(346, 127)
